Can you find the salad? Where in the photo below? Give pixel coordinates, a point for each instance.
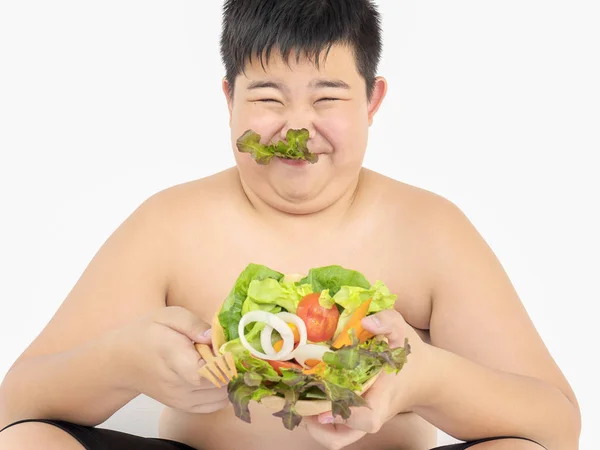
(295, 147)
(298, 343)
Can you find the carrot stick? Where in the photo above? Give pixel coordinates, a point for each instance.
(365, 335)
(354, 324)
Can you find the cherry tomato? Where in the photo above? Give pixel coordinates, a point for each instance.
(321, 322)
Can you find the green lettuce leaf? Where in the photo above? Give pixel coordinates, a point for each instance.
(231, 311)
(245, 362)
(291, 377)
(253, 330)
(342, 399)
(351, 297)
(250, 305)
(333, 278)
(240, 394)
(295, 147)
(290, 418)
(326, 300)
(249, 142)
(268, 293)
(352, 366)
(262, 392)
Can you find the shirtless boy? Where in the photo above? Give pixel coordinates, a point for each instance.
(478, 369)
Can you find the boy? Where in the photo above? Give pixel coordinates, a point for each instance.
(129, 324)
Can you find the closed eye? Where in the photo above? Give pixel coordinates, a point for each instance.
(327, 99)
(268, 100)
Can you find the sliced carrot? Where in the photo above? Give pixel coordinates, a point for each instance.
(354, 324)
(319, 369)
(312, 362)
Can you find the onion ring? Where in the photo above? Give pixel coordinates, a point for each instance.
(271, 321)
(265, 336)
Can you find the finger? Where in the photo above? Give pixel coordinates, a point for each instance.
(332, 436)
(362, 419)
(200, 382)
(208, 408)
(186, 363)
(214, 395)
(388, 323)
(185, 322)
(367, 419)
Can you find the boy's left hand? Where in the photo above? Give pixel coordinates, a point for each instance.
(390, 395)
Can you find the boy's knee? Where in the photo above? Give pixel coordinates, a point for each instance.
(37, 435)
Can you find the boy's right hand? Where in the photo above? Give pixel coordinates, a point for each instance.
(163, 363)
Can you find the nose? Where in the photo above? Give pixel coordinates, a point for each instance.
(297, 120)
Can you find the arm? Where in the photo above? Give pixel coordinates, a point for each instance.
(73, 370)
(493, 374)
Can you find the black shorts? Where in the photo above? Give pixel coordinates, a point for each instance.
(93, 438)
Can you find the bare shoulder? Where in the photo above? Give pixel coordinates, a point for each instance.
(408, 203)
(198, 208)
(222, 187)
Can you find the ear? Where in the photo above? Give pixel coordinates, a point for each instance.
(379, 91)
(226, 87)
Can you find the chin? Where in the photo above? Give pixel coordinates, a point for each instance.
(299, 204)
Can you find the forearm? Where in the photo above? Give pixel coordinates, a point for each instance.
(470, 401)
(85, 385)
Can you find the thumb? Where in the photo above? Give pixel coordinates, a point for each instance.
(388, 323)
(332, 436)
(185, 322)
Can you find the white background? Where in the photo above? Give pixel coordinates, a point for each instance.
(494, 105)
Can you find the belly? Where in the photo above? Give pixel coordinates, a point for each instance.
(222, 430)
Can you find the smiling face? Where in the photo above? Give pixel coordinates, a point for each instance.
(330, 101)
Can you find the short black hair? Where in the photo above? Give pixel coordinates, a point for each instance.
(254, 28)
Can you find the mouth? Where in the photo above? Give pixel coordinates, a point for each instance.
(293, 162)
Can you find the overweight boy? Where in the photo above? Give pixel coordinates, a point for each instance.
(478, 370)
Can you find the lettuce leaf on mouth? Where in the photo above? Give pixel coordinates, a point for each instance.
(293, 148)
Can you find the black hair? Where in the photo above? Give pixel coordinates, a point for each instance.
(254, 28)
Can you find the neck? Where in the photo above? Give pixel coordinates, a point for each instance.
(304, 216)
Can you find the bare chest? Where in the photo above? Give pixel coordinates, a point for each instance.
(206, 264)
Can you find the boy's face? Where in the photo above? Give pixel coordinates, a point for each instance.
(329, 101)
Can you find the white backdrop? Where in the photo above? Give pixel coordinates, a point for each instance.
(494, 105)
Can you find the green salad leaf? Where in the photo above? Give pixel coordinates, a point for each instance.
(294, 147)
(332, 278)
(351, 297)
(269, 293)
(290, 418)
(231, 311)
